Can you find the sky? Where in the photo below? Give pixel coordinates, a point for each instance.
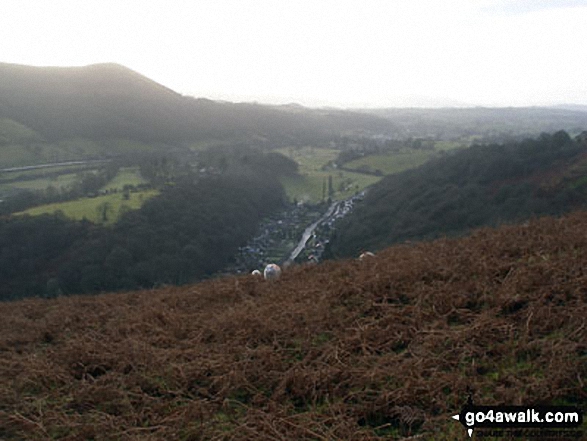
(340, 53)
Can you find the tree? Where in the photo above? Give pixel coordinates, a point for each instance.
(103, 210)
(330, 187)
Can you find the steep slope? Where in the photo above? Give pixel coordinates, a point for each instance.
(349, 350)
(97, 101)
(111, 101)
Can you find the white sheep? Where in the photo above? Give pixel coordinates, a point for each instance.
(256, 273)
(365, 255)
(272, 272)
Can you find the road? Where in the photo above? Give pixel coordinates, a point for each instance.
(336, 210)
(53, 164)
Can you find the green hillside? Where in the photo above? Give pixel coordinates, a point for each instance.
(12, 132)
(482, 185)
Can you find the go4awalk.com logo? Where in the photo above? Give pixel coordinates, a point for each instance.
(552, 421)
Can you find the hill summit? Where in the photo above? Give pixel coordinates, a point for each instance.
(96, 101)
(109, 101)
(384, 348)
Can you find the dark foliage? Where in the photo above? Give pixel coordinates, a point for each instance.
(245, 159)
(191, 230)
(30, 247)
(482, 185)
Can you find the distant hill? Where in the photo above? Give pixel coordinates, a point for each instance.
(481, 185)
(98, 101)
(388, 349)
(515, 122)
(574, 107)
(106, 101)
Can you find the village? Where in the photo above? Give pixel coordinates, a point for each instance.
(297, 234)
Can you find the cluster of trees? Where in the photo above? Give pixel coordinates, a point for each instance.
(239, 159)
(191, 230)
(482, 185)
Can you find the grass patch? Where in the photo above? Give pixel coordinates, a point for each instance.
(125, 176)
(60, 181)
(393, 163)
(309, 159)
(91, 208)
(308, 185)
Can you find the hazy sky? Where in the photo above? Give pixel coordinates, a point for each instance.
(319, 52)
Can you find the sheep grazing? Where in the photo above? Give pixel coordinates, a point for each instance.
(365, 255)
(256, 273)
(272, 272)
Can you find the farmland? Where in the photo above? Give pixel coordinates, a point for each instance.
(41, 183)
(93, 209)
(314, 174)
(391, 163)
(315, 168)
(308, 187)
(125, 176)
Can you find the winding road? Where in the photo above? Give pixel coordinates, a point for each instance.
(308, 232)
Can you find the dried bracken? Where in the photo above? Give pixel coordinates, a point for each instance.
(341, 350)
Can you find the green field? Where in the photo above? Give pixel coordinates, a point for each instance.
(391, 163)
(90, 208)
(309, 159)
(125, 176)
(308, 186)
(42, 183)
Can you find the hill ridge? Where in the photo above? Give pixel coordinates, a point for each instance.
(108, 100)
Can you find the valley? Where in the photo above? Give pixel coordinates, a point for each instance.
(131, 218)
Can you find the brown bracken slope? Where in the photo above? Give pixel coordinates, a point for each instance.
(380, 349)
